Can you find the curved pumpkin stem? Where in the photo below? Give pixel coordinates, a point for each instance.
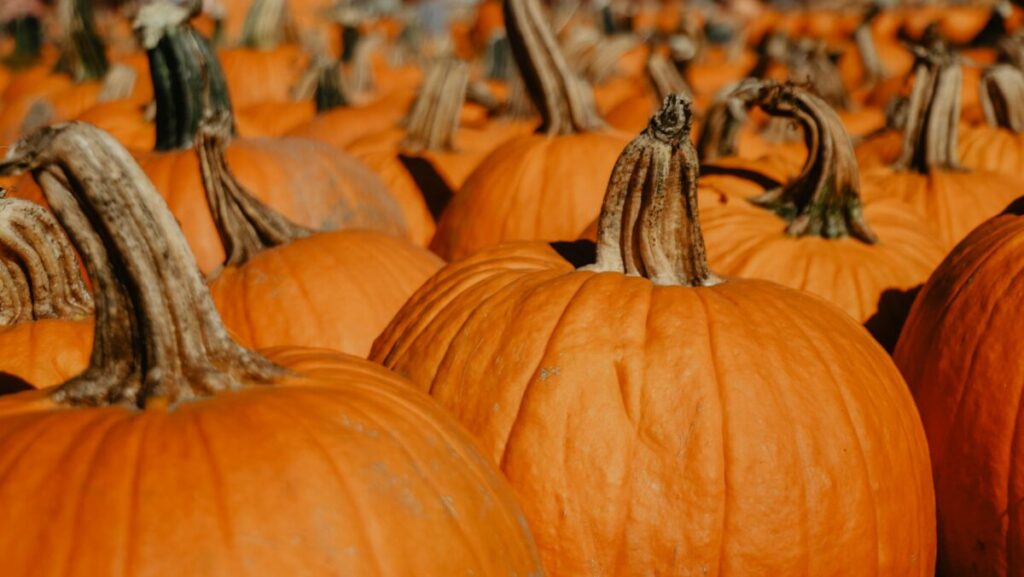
(83, 55)
(434, 117)
(157, 332)
(245, 225)
(39, 275)
(187, 79)
(27, 33)
(564, 100)
(825, 199)
(811, 64)
(1002, 97)
(665, 77)
(933, 112)
(864, 39)
(722, 122)
(649, 223)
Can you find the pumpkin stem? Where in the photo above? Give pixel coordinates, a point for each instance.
(39, 275)
(722, 122)
(434, 117)
(811, 64)
(360, 74)
(157, 332)
(1011, 50)
(245, 225)
(83, 55)
(27, 32)
(665, 77)
(331, 91)
(933, 112)
(565, 101)
(187, 79)
(824, 200)
(1002, 97)
(874, 71)
(518, 106)
(267, 24)
(649, 223)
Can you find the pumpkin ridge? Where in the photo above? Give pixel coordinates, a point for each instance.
(219, 486)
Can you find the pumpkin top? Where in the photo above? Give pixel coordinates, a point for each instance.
(565, 101)
(665, 77)
(245, 225)
(722, 123)
(933, 111)
(83, 55)
(434, 117)
(39, 275)
(649, 223)
(267, 24)
(824, 200)
(157, 333)
(1002, 97)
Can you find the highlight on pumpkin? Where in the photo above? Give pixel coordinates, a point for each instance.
(510, 287)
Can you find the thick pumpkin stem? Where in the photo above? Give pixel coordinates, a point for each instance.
(723, 121)
(39, 275)
(27, 33)
(649, 224)
(812, 64)
(665, 77)
(1002, 97)
(245, 225)
(824, 200)
(187, 79)
(83, 55)
(267, 24)
(933, 112)
(157, 332)
(565, 101)
(864, 39)
(1011, 50)
(434, 118)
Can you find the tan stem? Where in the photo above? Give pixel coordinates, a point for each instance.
(933, 113)
(811, 64)
(245, 225)
(1002, 97)
(518, 106)
(864, 39)
(434, 117)
(564, 100)
(39, 274)
(157, 332)
(824, 200)
(267, 24)
(665, 77)
(649, 224)
(723, 121)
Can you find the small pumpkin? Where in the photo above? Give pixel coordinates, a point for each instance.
(313, 459)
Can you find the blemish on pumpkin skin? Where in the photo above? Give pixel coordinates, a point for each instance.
(449, 506)
(548, 372)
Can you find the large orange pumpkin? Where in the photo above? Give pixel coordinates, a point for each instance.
(960, 353)
(655, 419)
(45, 329)
(216, 459)
(540, 186)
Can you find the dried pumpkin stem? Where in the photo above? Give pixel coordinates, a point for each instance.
(39, 274)
(864, 39)
(157, 332)
(434, 117)
(722, 122)
(665, 77)
(824, 200)
(83, 55)
(811, 64)
(649, 224)
(267, 24)
(188, 82)
(933, 112)
(1002, 97)
(565, 101)
(245, 225)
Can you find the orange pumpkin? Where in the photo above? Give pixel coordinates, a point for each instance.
(960, 353)
(313, 459)
(653, 417)
(999, 145)
(532, 187)
(45, 329)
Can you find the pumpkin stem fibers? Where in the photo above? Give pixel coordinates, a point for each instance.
(39, 275)
(649, 223)
(824, 200)
(933, 112)
(565, 101)
(158, 335)
(434, 117)
(1002, 97)
(245, 225)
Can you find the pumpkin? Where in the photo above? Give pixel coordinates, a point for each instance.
(655, 419)
(332, 480)
(309, 182)
(283, 285)
(960, 353)
(532, 187)
(928, 175)
(812, 233)
(998, 146)
(45, 329)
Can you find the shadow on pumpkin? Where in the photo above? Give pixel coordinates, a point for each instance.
(10, 384)
(893, 308)
(579, 253)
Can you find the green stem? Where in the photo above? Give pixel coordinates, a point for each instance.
(27, 32)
